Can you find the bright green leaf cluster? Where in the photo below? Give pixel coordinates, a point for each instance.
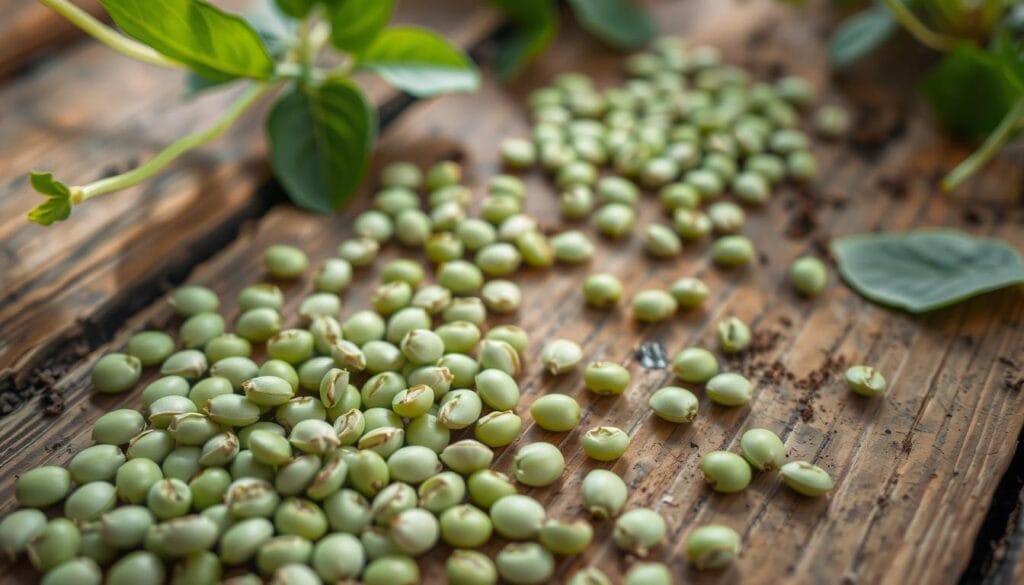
(321, 128)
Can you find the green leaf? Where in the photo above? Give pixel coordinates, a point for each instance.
(57, 206)
(295, 8)
(620, 23)
(320, 142)
(420, 62)
(213, 43)
(970, 91)
(926, 269)
(860, 34)
(1010, 53)
(355, 23)
(537, 25)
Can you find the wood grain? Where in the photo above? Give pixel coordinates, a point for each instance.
(59, 286)
(29, 28)
(915, 471)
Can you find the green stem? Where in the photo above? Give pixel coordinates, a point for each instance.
(988, 149)
(920, 30)
(173, 151)
(109, 36)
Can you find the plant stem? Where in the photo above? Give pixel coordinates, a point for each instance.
(109, 36)
(920, 30)
(988, 149)
(173, 151)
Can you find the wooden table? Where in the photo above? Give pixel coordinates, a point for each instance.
(928, 478)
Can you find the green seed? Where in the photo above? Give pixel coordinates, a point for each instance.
(235, 369)
(648, 574)
(560, 356)
(831, 121)
(227, 345)
(661, 242)
(320, 304)
(606, 378)
(565, 538)
(806, 478)
(392, 501)
(250, 497)
(54, 545)
(694, 364)
(426, 431)
(460, 277)
(614, 220)
(732, 251)
(726, 472)
(538, 464)
(589, 576)
(441, 491)
(572, 247)
(232, 410)
(462, 368)
(413, 464)
(403, 270)
(465, 526)
(150, 347)
(291, 345)
(691, 224)
(517, 517)
(286, 262)
(392, 570)
(422, 346)
(674, 404)
(333, 276)
(517, 153)
(414, 531)
(535, 248)
(469, 309)
(726, 217)
(801, 166)
(193, 299)
(313, 436)
(347, 511)
(808, 275)
(181, 463)
(42, 486)
(467, 456)
(116, 372)
(383, 440)
(208, 487)
(378, 417)
(556, 412)
(763, 449)
(91, 546)
(169, 498)
(653, 305)
(459, 409)
(242, 541)
(458, 336)
(576, 202)
(399, 174)
(260, 296)
(497, 389)
(605, 443)
(259, 324)
(199, 329)
(125, 527)
(81, 571)
(729, 389)
(487, 487)
(137, 568)
(281, 551)
(602, 290)
(338, 557)
(679, 196)
(713, 546)
(301, 518)
(501, 296)
(639, 530)
(689, 292)
(733, 335)
(90, 501)
(368, 472)
(117, 427)
(525, 563)
(505, 184)
(165, 386)
(152, 444)
(17, 529)
(751, 186)
(374, 225)
(358, 251)
(468, 567)
(866, 381)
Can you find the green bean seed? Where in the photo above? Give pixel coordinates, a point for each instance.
(347, 511)
(17, 529)
(496, 388)
(193, 299)
(116, 372)
(517, 517)
(565, 538)
(392, 570)
(653, 305)
(560, 356)
(56, 544)
(614, 220)
(285, 262)
(691, 224)
(806, 478)
(525, 563)
(338, 557)
(487, 487)
(866, 381)
(90, 501)
(117, 427)
(468, 567)
(538, 464)
(235, 369)
(333, 276)
(763, 449)
(572, 247)
(137, 568)
(694, 364)
(556, 412)
(259, 324)
(808, 275)
(150, 347)
(152, 444)
(732, 251)
(639, 530)
(459, 409)
(605, 443)
(589, 576)
(42, 486)
(661, 242)
(164, 386)
(689, 292)
(726, 472)
(242, 541)
(674, 404)
(729, 389)
(467, 456)
(712, 546)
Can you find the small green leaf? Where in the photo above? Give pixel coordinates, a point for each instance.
(420, 62)
(355, 23)
(212, 42)
(57, 206)
(620, 23)
(926, 269)
(537, 25)
(970, 91)
(860, 34)
(320, 142)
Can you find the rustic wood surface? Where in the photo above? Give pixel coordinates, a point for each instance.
(915, 471)
(29, 28)
(114, 254)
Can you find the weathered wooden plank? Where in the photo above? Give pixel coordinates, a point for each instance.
(111, 247)
(29, 28)
(915, 470)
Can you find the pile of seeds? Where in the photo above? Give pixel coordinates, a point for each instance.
(346, 453)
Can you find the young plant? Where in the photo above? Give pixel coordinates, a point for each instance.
(977, 88)
(321, 127)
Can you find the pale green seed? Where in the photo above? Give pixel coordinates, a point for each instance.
(510, 334)
(374, 225)
(589, 576)
(605, 443)
(866, 381)
(674, 404)
(639, 530)
(729, 389)
(199, 329)
(17, 529)
(487, 487)
(469, 309)
(150, 347)
(712, 546)
(235, 369)
(152, 444)
(689, 292)
(338, 557)
(732, 251)
(726, 217)
(413, 464)
(496, 388)
(517, 517)
(733, 334)
(42, 486)
(694, 364)
(90, 501)
(347, 511)
(137, 568)
(165, 386)
(392, 570)
(358, 251)
(285, 262)
(117, 427)
(262, 295)
(763, 449)
(726, 472)
(653, 305)
(560, 356)
(538, 464)
(565, 538)
(459, 409)
(56, 544)
(333, 276)
(808, 275)
(614, 220)
(259, 324)
(498, 428)
(691, 224)
(116, 372)
(602, 290)
(525, 564)
(242, 541)
(556, 412)
(193, 299)
(441, 491)
(467, 456)
(468, 567)
(572, 247)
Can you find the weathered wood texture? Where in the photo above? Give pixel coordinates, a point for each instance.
(29, 28)
(915, 471)
(57, 282)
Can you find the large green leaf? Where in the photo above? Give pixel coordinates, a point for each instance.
(215, 44)
(419, 61)
(57, 206)
(536, 26)
(970, 91)
(295, 8)
(860, 34)
(620, 23)
(926, 269)
(320, 142)
(355, 23)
